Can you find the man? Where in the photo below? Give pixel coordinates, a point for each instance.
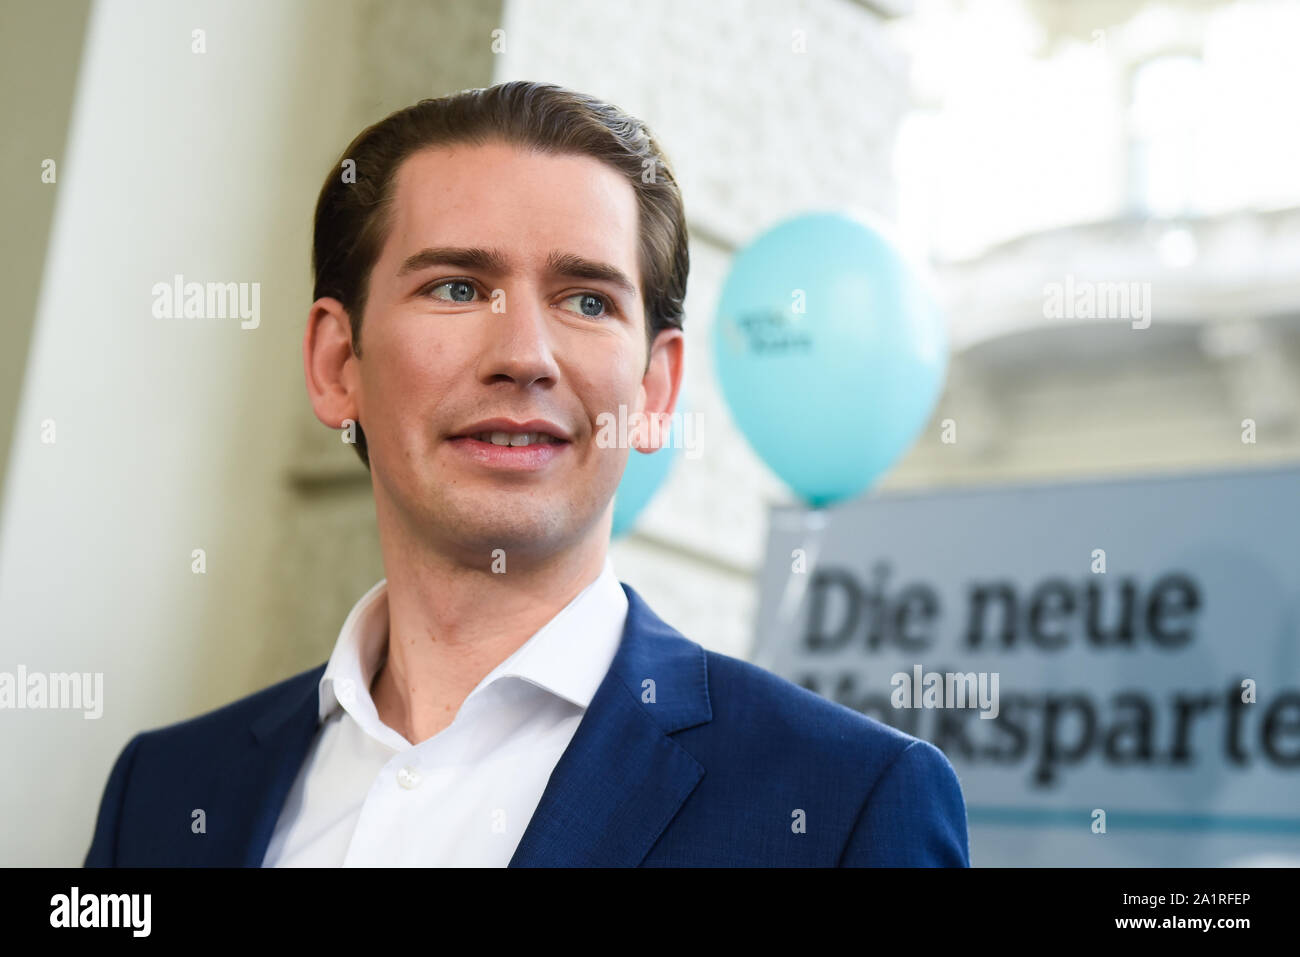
(497, 272)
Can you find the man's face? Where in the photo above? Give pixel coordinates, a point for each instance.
(483, 306)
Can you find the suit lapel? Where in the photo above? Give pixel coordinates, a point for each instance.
(265, 773)
(623, 778)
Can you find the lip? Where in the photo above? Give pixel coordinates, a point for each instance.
(520, 458)
(510, 425)
(515, 458)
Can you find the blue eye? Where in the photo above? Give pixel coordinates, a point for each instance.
(591, 299)
(460, 285)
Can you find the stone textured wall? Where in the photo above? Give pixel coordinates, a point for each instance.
(765, 109)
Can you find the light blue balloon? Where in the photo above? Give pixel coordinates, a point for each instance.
(832, 396)
(644, 474)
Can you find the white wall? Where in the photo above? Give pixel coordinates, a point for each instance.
(178, 434)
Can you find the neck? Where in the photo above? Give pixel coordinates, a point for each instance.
(450, 623)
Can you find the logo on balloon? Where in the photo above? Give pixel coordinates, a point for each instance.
(773, 332)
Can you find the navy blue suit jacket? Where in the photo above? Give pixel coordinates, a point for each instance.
(729, 765)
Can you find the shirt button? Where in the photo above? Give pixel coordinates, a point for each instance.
(408, 778)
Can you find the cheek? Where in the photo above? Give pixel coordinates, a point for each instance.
(403, 379)
(613, 379)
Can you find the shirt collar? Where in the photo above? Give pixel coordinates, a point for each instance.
(568, 656)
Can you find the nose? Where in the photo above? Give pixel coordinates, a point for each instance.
(517, 343)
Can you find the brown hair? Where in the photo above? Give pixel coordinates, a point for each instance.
(352, 213)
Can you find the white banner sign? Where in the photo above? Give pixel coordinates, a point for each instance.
(1113, 668)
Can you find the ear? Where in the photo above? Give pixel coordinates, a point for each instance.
(333, 382)
(660, 385)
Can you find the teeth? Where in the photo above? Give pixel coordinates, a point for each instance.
(515, 439)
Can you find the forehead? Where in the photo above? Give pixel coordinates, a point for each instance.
(525, 203)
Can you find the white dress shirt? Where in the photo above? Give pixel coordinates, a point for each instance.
(365, 796)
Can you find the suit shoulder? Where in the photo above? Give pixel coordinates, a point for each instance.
(743, 694)
(217, 724)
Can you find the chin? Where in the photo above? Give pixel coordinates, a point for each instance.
(479, 524)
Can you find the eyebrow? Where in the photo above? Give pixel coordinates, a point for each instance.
(568, 265)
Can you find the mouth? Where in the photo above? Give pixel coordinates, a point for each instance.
(504, 444)
(514, 440)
